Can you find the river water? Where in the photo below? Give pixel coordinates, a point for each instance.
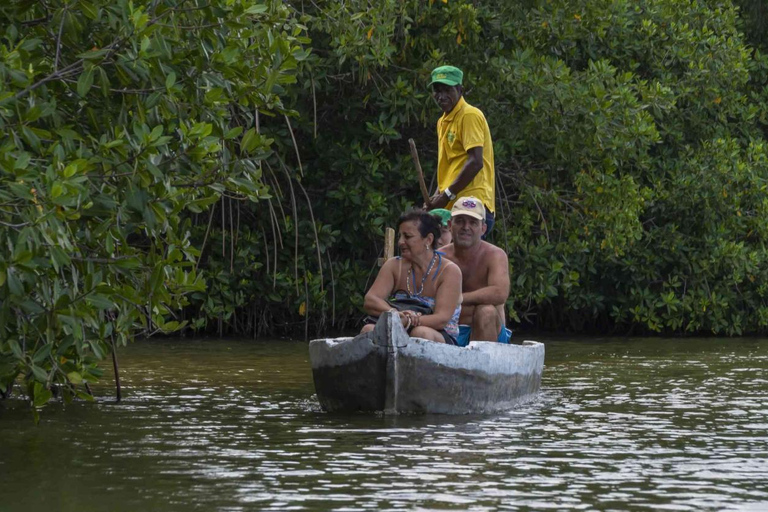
(640, 424)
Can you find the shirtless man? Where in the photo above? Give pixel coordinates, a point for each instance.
(485, 275)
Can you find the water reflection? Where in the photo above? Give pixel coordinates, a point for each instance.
(638, 425)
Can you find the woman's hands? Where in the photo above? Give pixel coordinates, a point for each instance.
(410, 319)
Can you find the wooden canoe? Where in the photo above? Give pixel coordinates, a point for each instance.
(386, 370)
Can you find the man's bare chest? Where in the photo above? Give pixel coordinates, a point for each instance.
(474, 275)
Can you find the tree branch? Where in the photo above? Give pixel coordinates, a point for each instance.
(9, 225)
(58, 39)
(76, 66)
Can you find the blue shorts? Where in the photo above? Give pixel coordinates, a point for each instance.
(505, 336)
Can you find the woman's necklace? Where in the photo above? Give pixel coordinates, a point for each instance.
(412, 276)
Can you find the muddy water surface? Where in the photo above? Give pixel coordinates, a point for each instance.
(231, 426)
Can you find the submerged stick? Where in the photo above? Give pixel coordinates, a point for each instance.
(118, 388)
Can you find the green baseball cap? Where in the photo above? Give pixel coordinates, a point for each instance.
(445, 215)
(448, 75)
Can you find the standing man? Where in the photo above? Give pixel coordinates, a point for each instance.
(465, 150)
(484, 275)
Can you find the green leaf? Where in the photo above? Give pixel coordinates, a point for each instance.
(62, 301)
(57, 190)
(99, 301)
(94, 54)
(31, 307)
(250, 141)
(84, 396)
(234, 132)
(96, 347)
(256, 9)
(170, 80)
(59, 257)
(33, 114)
(129, 263)
(75, 378)
(22, 256)
(41, 395)
(16, 349)
(14, 284)
(104, 82)
(157, 131)
(40, 374)
(201, 130)
(114, 143)
(90, 10)
(42, 353)
(22, 161)
(70, 170)
(171, 326)
(157, 278)
(85, 82)
(30, 136)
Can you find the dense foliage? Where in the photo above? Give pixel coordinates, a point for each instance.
(629, 143)
(229, 165)
(754, 22)
(122, 121)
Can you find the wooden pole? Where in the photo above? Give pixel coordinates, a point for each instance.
(422, 183)
(389, 245)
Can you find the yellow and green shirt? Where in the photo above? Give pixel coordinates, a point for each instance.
(458, 131)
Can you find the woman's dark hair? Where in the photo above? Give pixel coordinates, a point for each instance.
(428, 223)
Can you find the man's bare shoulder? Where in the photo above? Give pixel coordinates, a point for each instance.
(449, 251)
(494, 254)
(493, 249)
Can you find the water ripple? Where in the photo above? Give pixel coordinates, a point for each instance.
(638, 425)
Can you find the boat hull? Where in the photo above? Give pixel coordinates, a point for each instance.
(386, 370)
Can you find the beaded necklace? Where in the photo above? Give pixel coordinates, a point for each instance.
(412, 276)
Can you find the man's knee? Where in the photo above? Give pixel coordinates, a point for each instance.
(485, 314)
(486, 323)
(367, 328)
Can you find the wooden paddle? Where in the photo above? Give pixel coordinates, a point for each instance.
(422, 183)
(389, 246)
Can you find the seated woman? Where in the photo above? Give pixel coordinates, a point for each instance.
(420, 272)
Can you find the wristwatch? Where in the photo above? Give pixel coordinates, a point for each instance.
(451, 195)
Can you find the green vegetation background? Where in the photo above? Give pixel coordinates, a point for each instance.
(228, 166)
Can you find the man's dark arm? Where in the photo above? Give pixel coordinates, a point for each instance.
(472, 166)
